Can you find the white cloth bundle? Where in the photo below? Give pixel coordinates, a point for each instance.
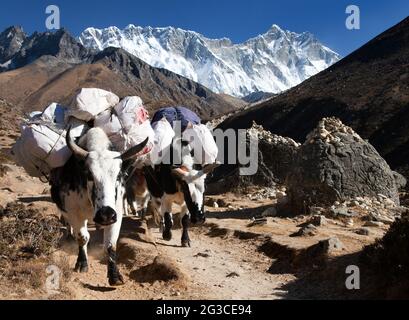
(164, 135)
(127, 124)
(42, 146)
(90, 102)
(200, 138)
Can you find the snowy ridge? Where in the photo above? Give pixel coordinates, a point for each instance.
(272, 62)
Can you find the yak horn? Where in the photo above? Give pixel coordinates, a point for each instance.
(130, 153)
(75, 149)
(210, 167)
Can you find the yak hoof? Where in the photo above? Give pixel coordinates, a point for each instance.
(167, 235)
(186, 243)
(81, 267)
(116, 280)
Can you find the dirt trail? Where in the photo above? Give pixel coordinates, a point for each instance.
(227, 268)
(216, 268)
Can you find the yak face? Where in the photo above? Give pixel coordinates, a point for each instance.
(193, 187)
(196, 190)
(105, 185)
(192, 182)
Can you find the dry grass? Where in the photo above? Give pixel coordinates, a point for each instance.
(388, 260)
(28, 240)
(26, 233)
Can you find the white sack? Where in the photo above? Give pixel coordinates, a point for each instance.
(131, 111)
(108, 122)
(55, 116)
(91, 101)
(40, 149)
(164, 135)
(202, 143)
(42, 146)
(55, 113)
(127, 124)
(33, 166)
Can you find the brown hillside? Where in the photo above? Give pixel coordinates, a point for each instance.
(368, 90)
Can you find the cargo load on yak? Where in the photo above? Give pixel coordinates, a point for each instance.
(90, 102)
(173, 114)
(127, 124)
(163, 137)
(199, 137)
(41, 146)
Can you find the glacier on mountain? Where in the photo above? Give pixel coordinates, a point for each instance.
(271, 62)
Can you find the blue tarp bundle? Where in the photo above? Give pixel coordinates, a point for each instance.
(181, 114)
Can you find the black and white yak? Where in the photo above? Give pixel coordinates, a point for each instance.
(183, 184)
(91, 187)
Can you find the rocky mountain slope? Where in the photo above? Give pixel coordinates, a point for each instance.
(48, 67)
(11, 41)
(368, 90)
(258, 96)
(271, 62)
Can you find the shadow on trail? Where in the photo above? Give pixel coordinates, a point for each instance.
(238, 214)
(98, 288)
(35, 199)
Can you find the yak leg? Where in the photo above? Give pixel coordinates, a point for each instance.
(125, 204)
(131, 200)
(167, 219)
(156, 204)
(144, 200)
(82, 236)
(111, 235)
(185, 225)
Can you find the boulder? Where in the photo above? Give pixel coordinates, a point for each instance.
(400, 180)
(276, 153)
(276, 156)
(336, 164)
(306, 231)
(319, 221)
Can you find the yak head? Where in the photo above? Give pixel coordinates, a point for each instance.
(192, 181)
(106, 185)
(193, 186)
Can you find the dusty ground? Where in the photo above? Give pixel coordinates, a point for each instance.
(229, 258)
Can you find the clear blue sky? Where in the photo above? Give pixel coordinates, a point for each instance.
(235, 19)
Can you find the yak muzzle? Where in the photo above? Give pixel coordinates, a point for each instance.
(105, 216)
(197, 218)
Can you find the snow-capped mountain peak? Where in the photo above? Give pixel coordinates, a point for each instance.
(271, 62)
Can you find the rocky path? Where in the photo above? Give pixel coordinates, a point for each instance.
(213, 268)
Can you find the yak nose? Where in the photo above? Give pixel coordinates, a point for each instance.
(105, 216)
(198, 218)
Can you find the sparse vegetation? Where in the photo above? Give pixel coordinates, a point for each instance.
(25, 233)
(27, 240)
(388, 259)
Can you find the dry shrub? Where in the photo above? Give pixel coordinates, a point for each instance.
(28, 239)
(388, 259)
(25, 233)
(27, 279)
